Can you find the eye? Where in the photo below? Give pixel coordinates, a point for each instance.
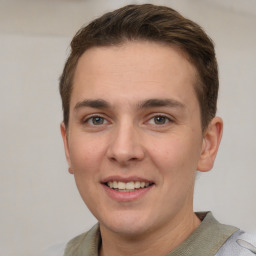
(96, 120)
(159, 120)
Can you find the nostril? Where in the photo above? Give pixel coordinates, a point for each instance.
(124, 157)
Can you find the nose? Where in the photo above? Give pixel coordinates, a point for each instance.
(126, 145)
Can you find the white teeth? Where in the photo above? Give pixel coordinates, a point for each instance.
(128, 186)
(137, 184)
(121, 185)
(115, 184)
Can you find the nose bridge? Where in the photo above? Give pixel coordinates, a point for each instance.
(126, 144)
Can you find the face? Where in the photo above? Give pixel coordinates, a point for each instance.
(134, 140)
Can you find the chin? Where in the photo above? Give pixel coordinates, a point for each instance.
(127, 225)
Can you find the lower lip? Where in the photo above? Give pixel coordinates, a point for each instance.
(126, 196)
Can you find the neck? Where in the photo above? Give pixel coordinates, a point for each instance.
(160, 242)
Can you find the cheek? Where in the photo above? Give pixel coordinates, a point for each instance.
(176, 156)
(86, 159)
(85, 154)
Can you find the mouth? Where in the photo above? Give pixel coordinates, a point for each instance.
(129, 186)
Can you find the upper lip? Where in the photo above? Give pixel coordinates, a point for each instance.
(125, 179)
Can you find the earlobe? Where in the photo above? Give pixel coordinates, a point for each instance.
(210, 145)
(70, 170)
(64, 135)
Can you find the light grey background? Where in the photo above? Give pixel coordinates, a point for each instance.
(40, 205)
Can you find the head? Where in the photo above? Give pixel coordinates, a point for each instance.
(138, 89)
(154, 24)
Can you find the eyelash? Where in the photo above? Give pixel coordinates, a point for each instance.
(167, 119)
(90, 120)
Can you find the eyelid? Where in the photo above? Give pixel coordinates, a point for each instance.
(90, 116)
(168, 117)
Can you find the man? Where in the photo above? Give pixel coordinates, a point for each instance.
(139, 93)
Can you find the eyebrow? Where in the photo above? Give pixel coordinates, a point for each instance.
(161, 103)
(98, 103)
(102, 104)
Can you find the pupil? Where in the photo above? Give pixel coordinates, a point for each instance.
(97, 120)
(159, 120)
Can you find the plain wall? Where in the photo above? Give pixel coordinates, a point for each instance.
(40, 205)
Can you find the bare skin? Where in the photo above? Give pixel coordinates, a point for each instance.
(135, 117)
(161, 242)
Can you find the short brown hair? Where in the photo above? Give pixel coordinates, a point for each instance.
(150, 23)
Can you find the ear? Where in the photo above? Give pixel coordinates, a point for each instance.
(210, 145)
(64, 135)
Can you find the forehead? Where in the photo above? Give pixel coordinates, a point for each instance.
(132, 69)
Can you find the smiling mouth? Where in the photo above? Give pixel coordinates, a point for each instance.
(127, 186)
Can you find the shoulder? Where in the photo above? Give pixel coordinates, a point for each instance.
(74, 244)
(62, 249)
(239, 244)
(85, 244)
